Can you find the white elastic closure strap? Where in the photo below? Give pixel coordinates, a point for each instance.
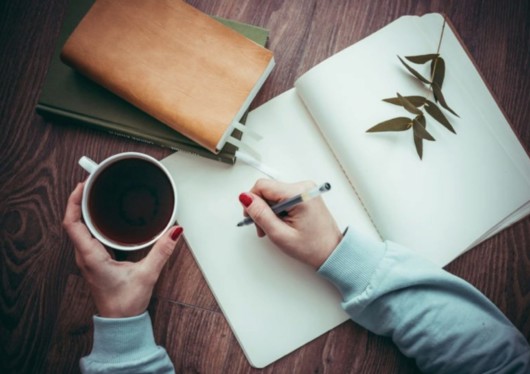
(245, 130)
(239, 144)
(257, 164)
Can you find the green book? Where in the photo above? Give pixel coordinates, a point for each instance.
(68, 97)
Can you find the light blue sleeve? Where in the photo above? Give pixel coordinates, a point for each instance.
(438, 319)
(125, 345)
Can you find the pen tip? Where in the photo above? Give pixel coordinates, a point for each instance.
(239, 224)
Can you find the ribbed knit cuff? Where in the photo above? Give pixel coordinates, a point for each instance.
(122, 339)
(352, 263)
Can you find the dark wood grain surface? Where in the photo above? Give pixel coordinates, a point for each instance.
(45, 306)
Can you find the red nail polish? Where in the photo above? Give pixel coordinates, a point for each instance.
(245, 199)
(176, 233)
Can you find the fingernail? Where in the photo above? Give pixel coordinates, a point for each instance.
(245, 199)
(176, 233)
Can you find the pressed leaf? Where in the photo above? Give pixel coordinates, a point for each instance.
(437, 114)
(421, 59)
(421, 120)
(418, 143)
(438, 71)
(438, 93)
(414, 100)
(394, 124)
(420, 131)
(414, 72)
(408, 105)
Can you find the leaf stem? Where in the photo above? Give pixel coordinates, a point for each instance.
(438, 51)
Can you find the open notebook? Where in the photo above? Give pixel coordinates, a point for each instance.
(467, 187)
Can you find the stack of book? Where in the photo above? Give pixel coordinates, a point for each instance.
(182, 79)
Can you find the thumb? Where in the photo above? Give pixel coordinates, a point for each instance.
(261, 213)
(162, 250)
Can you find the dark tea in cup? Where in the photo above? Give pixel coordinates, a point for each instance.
(129, 201)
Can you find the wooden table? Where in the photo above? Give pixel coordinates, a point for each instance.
(45, 305)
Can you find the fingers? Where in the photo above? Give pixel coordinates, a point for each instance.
(76, 230)
(84, 243)
(73, 208)
(261, 213)
(269, 192)
(273, 191)
(162, 250)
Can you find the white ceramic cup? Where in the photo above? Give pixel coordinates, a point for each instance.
(95, 183)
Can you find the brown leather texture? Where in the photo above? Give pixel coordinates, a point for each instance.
(171, 61)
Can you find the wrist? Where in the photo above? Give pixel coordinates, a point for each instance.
(113, 313)
(120, 306)
(332, 243)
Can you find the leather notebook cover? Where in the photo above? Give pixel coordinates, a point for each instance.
(173, 62)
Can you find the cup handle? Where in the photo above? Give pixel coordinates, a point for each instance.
(87, 164)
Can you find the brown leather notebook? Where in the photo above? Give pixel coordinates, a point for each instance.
(173, 62)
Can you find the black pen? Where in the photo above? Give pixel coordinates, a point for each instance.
(282, 207)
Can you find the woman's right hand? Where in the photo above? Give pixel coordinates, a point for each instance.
(308, 232)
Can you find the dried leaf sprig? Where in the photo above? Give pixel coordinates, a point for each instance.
(416, 104)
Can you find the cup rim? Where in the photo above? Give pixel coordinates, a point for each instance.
(90, 180)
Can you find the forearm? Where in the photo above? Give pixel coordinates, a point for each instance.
(125, 345)
(438, 319)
